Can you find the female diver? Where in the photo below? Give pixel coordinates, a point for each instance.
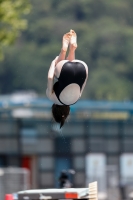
(66, 79)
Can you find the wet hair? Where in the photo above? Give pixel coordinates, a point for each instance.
(60, 113)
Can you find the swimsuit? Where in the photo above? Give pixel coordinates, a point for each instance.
(71, 72)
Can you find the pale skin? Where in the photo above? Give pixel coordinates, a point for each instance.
(71, 92)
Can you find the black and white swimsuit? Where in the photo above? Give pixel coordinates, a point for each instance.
(71, 72)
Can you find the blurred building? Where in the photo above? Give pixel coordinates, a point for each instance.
(96, 141)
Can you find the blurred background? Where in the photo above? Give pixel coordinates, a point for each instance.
(97, 139)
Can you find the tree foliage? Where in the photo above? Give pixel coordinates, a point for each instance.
(105, 43)
(10, 20)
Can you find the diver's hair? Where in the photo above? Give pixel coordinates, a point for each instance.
(60, 113)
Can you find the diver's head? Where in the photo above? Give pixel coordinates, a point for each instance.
(60, 113)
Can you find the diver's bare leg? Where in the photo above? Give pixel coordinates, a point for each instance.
(65, 43)
(73, 46)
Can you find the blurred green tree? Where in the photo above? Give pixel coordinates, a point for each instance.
(11, 21)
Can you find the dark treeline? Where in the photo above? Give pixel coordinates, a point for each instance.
(105, 43)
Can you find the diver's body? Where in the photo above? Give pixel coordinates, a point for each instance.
(66, 77)
(68, 88)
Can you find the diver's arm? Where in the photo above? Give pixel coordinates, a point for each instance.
(49, 91)
(51, 72)
(50, 80)
(85, 80)
(83, 85)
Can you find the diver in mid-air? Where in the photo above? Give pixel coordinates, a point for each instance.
(66, 79)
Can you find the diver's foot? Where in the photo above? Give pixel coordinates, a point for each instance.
(65, 41)
(73, 40)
